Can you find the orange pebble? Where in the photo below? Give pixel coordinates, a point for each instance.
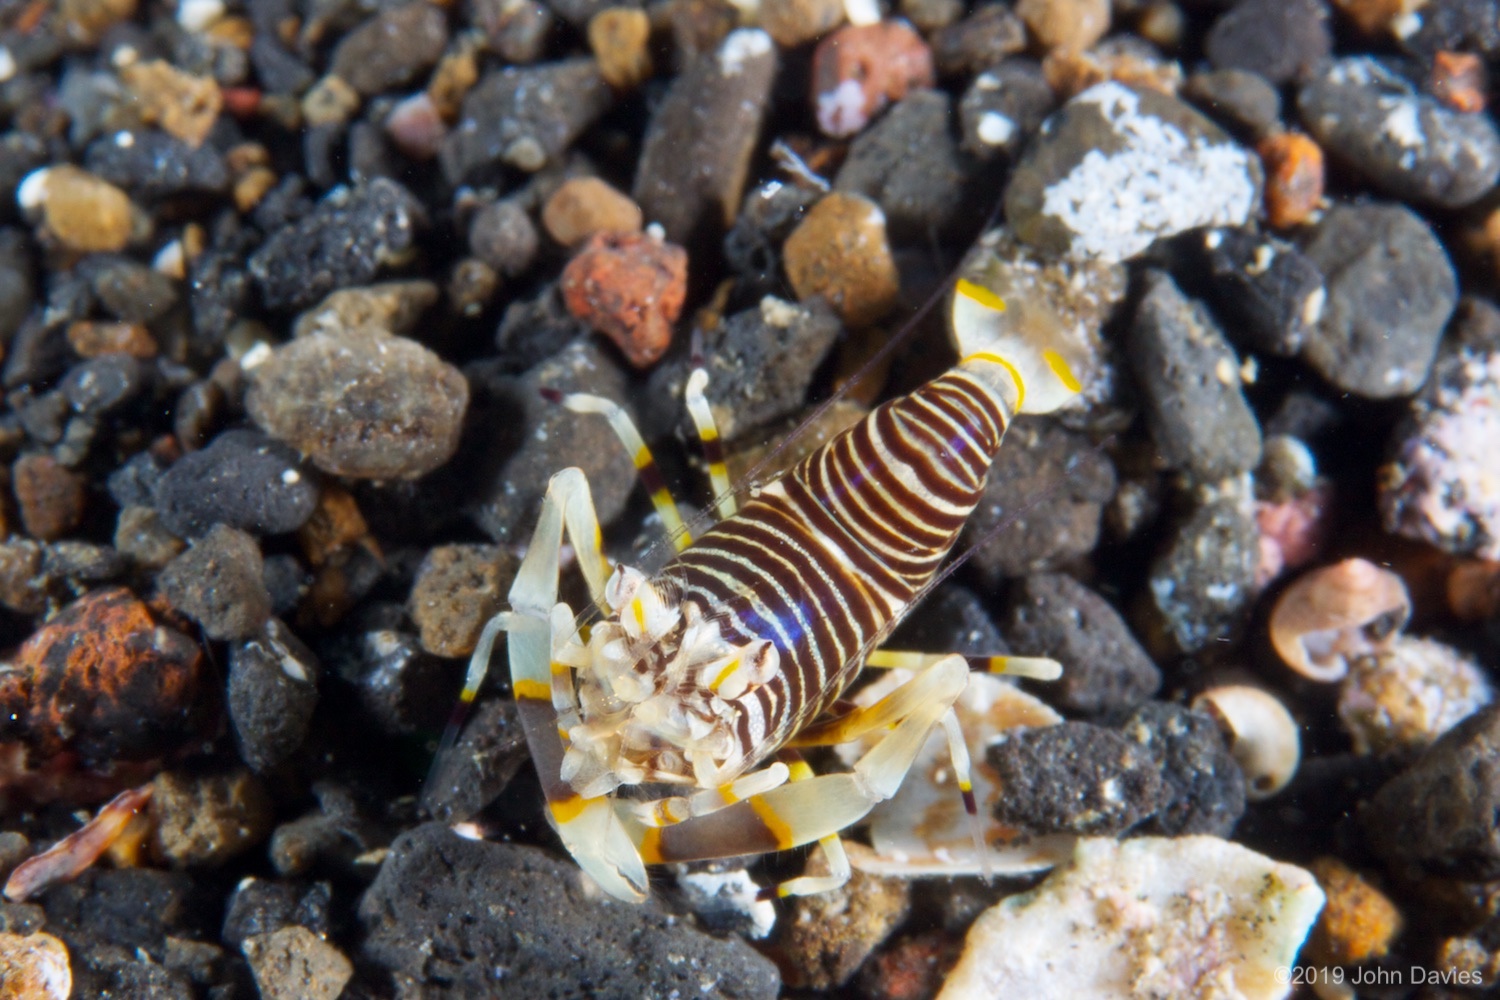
(1294, 177)
(1358, 922)
(1459, 80)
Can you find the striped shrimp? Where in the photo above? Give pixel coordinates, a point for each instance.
(706, 677)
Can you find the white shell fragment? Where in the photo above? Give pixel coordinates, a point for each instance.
(1152, 917)
(923, 829)
(1262, 734)
(1332, 614)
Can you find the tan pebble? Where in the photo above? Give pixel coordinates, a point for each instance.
(232, 32)
(795, 22)
(140, 536)
(454, 77)
(330, 101)
(34, 967)
(86, 21)
(293, 963)
(1263, 736)
(1070, 73)
(184, 105)
(457, 590)
(1072, 25)
(83, 212)
(360, 405)
(620, 39)
(471, 285)
(828, 936)
(1406, 696)
(251, 186)
(584, 206)
(203, 821)
(1358, 921)
(390, 307)
(1331, 614)
(1162, 24)
(91, 339)
(840, 251)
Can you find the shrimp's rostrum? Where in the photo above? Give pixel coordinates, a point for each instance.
(706, 676)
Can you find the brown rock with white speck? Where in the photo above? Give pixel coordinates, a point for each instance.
(696, 153)
(361, 405)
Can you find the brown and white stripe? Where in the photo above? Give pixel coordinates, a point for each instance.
(824, 562)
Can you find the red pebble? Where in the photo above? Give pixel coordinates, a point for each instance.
(859, 69)
(241, 102)
(630, 288)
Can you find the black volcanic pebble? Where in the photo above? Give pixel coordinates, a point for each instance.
(1370, 117)
(153, 165)
(951, 619)
(1282, 40)
(1104, 667)
(979, 41)
(691, 176)
(219, 582)
(440, 899)
(909, 163)
(1205, 578)
(1048, 487)
(1237, 99)
(1190, 380)
(1391, 290)
(1076, 778)
(524, 117)
(1266, 291)
(476, 769)
(760, 362)
(524, 434)
(273, 689)
(343, 242)
(392, 48)
(1439, 814)
(1204, 786)
(1454, 26)
(1003, 108)
(261, 906)
(242, 479)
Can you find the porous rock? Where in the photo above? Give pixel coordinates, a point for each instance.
(440, 899)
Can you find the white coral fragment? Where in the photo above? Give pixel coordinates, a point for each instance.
(1154, 917)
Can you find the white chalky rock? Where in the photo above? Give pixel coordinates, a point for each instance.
(1117, 168)
(1153, 917)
